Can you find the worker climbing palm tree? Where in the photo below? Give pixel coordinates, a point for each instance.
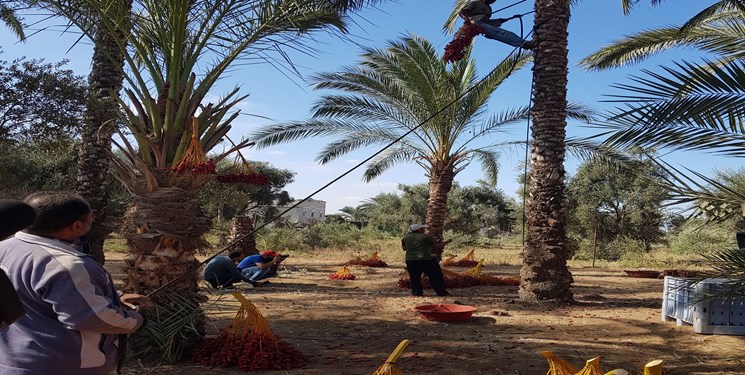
(479, 12)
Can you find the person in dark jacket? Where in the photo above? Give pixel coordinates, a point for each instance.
(74, 316)
(421, 249)
(479, 12)
(14, 216)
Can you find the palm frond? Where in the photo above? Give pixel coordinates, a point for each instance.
(696, 107)
(711, 199)
(11, 20)
(728, 265)
(388, 159)
(704, 16)
(723, 34)
(489, 164)
(283, 133)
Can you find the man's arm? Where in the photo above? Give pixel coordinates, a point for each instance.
(274, 261)
(403, 244)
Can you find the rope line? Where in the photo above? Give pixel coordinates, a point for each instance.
(509, 6)
(389, 145)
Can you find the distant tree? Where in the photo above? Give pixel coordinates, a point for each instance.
(28, 167)
(490, 207)
(385, 213)
(614, 204)
(40, 102)
(358, 214)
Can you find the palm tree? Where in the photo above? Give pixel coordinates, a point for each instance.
(105, 82)
(544, 273)
(358, 214)
(174, 53)
(401, 96)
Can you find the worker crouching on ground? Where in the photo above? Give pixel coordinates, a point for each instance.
(222, 271)
(420, 249)
(257, 268)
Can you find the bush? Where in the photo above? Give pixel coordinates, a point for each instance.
(611, 251)
(695, 238)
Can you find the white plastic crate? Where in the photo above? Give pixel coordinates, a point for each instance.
(681, 300)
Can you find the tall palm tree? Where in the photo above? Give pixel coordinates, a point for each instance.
(174, 53)
(404, 93)
(105, 82)
(544, 273)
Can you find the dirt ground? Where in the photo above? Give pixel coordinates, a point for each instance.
(350, 327)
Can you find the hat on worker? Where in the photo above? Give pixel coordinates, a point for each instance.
(416, 227)
(14, 216)
(269, 253)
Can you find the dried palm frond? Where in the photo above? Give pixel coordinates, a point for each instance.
(390, 367)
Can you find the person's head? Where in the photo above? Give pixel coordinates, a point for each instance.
(60, 215)
(14, 216)
(236, 256)
(269, 254)
(417, 227)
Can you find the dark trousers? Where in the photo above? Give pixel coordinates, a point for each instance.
(431, 268)
(222, 280)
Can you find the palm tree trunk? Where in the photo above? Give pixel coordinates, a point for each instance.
(440, 184)
(164, 230)
(241, 235)
(105, 82)
(544, 273)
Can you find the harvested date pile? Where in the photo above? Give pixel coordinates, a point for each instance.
(342, 274)
(249, 344)
(467, 261)
(467, 279)
(373, 261)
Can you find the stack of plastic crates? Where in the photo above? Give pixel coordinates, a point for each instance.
(683, 300)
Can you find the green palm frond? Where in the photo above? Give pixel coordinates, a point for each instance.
(728, 264)
(489, 164)
(345, 145)
(387, 159)
(712, 199)
(361, 108)
(722, 33)
(173, 325)
(9, 17)
(589, 149)
(293, 131)
(695, 107)
(704, 16)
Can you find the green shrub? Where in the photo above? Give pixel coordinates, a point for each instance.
(696, 238)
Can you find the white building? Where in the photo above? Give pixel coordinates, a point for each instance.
(308, 212)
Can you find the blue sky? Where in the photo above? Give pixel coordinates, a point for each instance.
(273, 95)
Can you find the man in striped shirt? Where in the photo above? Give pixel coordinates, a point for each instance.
(73, 314)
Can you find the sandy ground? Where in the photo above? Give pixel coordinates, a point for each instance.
(350, 327)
